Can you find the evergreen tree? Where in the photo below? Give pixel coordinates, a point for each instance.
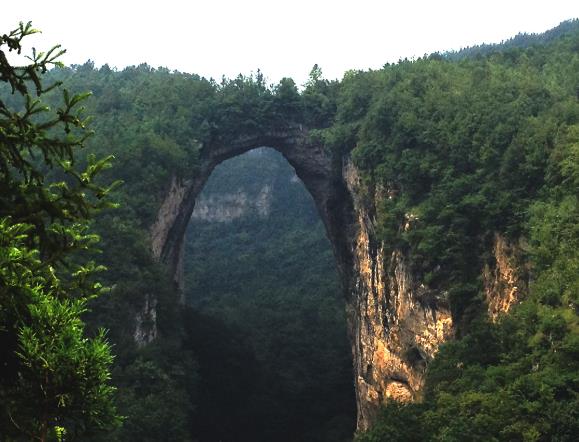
(53, 379)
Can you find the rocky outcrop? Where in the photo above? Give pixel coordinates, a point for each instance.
(146, 322)
(167, 214)
(504, 280)
(230, 206)
(397, 324)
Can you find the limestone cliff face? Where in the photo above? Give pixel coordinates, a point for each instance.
(167, 214)
(397, 323)
(230, 206)
(505, 282)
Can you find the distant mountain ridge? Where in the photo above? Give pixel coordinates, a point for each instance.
(519, 41)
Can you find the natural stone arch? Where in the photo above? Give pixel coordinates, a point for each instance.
(388, 315)
(321, 175)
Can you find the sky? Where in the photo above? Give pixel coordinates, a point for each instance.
(216, 38)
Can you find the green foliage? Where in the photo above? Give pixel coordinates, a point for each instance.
(54, 381)
(397, 423)
(515, 380)
(156, 394)
(319, 100)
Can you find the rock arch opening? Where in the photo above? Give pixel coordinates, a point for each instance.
(315, 167)
(259, 271)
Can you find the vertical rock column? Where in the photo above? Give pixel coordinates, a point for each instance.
(396, 324)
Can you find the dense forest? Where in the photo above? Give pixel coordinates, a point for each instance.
(468, 145)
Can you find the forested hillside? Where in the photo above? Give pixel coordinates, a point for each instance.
(458, 150)
(466, 150)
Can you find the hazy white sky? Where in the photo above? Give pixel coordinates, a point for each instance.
(282, 38)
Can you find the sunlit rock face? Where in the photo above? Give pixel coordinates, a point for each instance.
(505, 280)
(395, 322)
